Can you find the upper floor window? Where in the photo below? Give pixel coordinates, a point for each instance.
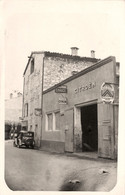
(32, 66)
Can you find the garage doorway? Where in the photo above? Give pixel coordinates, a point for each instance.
(89, 125)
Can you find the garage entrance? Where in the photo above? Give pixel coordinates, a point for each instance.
(89, 125)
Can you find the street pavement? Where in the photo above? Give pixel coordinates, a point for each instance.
(35, 170)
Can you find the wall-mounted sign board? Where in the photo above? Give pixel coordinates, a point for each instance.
(61, 90)
(62, 101)
(107, 93)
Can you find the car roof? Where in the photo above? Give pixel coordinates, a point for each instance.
(23, 131)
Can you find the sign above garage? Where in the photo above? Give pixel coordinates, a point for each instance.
(62, 89)
(62, 100)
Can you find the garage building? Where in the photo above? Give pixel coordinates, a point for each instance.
(80, 114)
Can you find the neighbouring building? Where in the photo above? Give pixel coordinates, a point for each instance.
(44, 70)
(13, 110)
(80, 113)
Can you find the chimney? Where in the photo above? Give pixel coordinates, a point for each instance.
(19, 94)
(92, 54)
(11, 95)
(74, 51)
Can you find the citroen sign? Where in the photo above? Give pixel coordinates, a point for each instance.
(107, 93)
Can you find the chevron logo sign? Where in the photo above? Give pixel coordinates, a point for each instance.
(107, 93)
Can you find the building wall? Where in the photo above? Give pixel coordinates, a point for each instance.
(83, 89)
(48, 71)
(57, 69)
(13, 109)
(33, 95)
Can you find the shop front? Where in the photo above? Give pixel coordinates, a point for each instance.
(80, 114)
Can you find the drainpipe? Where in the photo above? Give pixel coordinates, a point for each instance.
(23, 97)
(42, 98)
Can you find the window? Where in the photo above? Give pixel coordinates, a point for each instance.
(53, 121)
(57, 120)
(36, 129)
(32, 66)
(49, 122)
(30, 127)
(26, 109)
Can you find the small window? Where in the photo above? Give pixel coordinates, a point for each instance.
(74, 72)
(30, 127)
(36, 129)
(32, 66)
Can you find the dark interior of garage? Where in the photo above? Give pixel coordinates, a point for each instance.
(89, 128)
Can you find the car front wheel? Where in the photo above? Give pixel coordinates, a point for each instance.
(19, 144)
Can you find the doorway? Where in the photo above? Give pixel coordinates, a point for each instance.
(89, 125)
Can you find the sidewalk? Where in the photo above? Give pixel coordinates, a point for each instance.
(90, 156)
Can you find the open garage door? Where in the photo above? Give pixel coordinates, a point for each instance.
(106, 131)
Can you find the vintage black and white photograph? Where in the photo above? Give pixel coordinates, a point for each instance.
(62, 71)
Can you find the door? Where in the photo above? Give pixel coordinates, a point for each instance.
(106, 131)
(69, 128)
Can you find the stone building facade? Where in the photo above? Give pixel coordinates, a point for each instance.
(44, 70)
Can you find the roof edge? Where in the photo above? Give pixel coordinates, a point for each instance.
(61, 55)
(91, 68)
(33, 52)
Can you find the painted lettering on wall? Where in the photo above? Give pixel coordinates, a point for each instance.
(82, 88)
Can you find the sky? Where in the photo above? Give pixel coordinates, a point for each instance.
(56, 26)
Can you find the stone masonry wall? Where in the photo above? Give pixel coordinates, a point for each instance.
(57, 69)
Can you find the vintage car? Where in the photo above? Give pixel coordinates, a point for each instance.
(24, 138)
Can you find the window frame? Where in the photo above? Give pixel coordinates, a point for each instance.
(47, 122)
(53, 121)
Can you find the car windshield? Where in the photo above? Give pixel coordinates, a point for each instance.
(27, 135)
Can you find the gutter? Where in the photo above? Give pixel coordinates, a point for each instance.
(42, 96)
